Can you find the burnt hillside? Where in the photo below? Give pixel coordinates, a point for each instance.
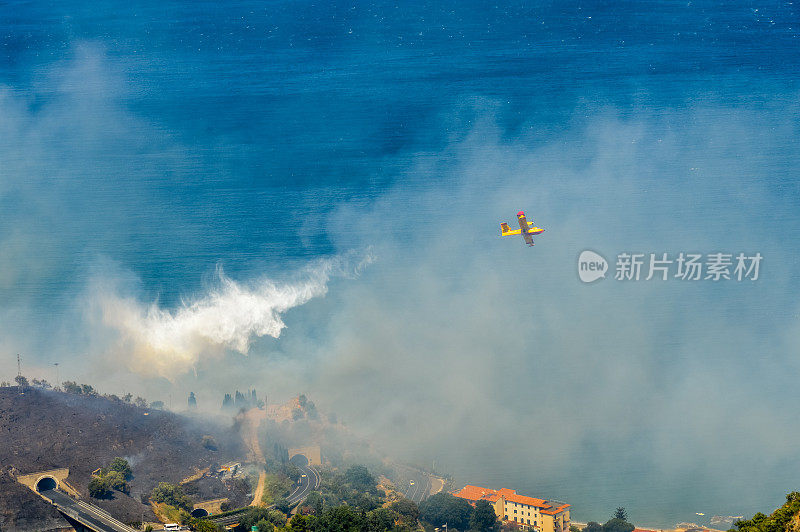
(21, 509)
(45, 429)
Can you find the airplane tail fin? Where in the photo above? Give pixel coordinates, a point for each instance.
(506, 231)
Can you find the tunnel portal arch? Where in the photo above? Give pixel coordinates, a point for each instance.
(199, 512)
(311, 454)
(46, 483)
(299, 460)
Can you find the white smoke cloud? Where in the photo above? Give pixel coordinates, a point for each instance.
(157, 341)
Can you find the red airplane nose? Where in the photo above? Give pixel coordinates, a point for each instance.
(520, 213)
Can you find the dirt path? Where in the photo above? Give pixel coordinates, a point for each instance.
(252, 420)
(259, 493)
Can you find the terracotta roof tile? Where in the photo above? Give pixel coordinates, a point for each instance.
(474, 493)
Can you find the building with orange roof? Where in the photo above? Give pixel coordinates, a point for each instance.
(530, 513)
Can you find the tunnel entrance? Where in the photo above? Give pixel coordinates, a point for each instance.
(299, 460)
(199, 512)
(46, 483)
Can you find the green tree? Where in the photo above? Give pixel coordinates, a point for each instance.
(483, 517)
(21, 381)
(359, 478)
(254, 516)
(172, 495)
(593, 526)
(618, 525)
(283, 505)
(444, 508)
(620, 513)
(98, 488)
(122, 466)
(192, 401)
(340, 519)
(291, 471)
(264, 526)
(276, 517)
(380, 520)
(300, 523)
(365, 502)
(227, 402)
(72, 387)
(777, 522)
(115, 481)
(407, 510)
(204, 525)
(315, 501)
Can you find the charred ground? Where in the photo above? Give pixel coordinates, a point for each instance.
(44, 429)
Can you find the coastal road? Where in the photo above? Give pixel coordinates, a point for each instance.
(309, 480)
(419, 486)
(86, 514)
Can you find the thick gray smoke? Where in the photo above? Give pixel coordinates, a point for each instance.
(495, 360)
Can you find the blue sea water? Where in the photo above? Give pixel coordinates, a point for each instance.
(288, 107)
(168, 137)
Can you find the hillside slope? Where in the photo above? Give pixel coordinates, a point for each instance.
(784, 519)
(45, 429)
(21, 509)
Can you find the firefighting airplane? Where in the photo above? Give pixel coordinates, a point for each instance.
(526, 229)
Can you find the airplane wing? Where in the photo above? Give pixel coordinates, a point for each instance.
(528, 238)
(506, 231)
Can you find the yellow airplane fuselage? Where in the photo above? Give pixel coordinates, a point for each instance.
(526, 229)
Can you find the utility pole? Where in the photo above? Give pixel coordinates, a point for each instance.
(58, 384)
(19, 376)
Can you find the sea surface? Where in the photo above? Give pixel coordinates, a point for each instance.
(162, 140)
